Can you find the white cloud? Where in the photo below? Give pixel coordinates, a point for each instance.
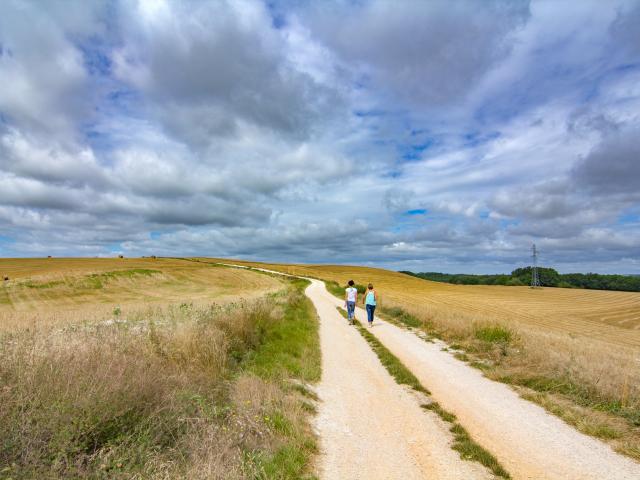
(309, 131)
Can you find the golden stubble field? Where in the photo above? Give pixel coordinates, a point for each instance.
(50, 291)
(607, 316)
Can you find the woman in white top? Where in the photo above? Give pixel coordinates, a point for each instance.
(350, 299)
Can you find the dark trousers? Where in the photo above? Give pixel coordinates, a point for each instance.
(370, 310)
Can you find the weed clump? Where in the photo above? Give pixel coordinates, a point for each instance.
(493, 334)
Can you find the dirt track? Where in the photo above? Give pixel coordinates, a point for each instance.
(529, 442)
(369, 426)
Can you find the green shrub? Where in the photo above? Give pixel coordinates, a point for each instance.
(493, 334)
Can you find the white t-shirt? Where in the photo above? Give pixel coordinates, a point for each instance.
(351, 294)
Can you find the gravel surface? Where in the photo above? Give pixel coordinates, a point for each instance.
(369, 426)
(529, 442)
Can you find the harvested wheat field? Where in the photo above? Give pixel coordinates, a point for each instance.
(64, 290)
(608, 316)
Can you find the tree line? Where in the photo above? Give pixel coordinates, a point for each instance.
(549, 277)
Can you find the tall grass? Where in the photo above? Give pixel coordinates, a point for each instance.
(169, 393)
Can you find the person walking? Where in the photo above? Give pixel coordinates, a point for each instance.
(350, 299)
(370, 300)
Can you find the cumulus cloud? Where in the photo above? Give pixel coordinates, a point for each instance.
(613, 166)
(47, 161)
(45, 85)
(424, 135)
(209, 67)
(431, 52)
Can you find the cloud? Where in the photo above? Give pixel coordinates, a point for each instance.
(25, 157)
(613, 166)
(45, 86)
(208, 67)
(297, 131)
(430, 52)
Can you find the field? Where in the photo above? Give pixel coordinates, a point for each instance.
(612, 317)
(43, 292)
(192, 341)
(154, 368)
(575, 352)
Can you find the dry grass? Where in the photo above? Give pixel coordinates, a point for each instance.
(48, 292)
(162, 391)
(109, 398)
(565, 347)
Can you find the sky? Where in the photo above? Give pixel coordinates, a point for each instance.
(413, 135)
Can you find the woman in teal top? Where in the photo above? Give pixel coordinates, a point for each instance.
(370, 300)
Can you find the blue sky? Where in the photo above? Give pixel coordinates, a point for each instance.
(438, 135)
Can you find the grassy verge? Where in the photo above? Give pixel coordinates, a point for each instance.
(589, 405)
(291, 346)
(394, 366)
(463, 443)
(176, 392)
(290, 351)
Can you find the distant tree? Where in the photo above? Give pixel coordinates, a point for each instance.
(549, 277)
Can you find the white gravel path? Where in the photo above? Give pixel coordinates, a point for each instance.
(369, 426)
(529, 442)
